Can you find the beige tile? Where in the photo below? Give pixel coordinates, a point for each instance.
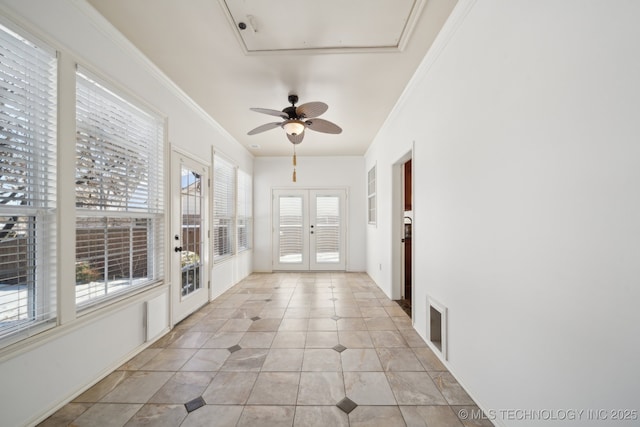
(267, 416)
(415, 388)
(430, 416)
(387, 339)
(284, 339)
(471, 416)
(223, 339)
(373, 312)
(245, 360)
(368, 388)
(428, 359)
(322, 339)
(355, 339)
(138, 387)
(399, 359)
(324, 312)
(275, 388)
(297, 313)
(236, 325)
(158, 415)
(351, 324)
(191, 340)
(103, 387)
(412, 338)
(323, 324)
(257, 339)
(139, 360)
(280, 359)
(265, 325)
(230, 388)
(380, 324)
(376, 416)
(107, 415)
(348, 311)
(208, 325)
(183, 387)
(169, 359)
(65, 415)
(224, 415)
(320, 388)
(207, 359)
(294, 324)
(360, 359)
(320, 416)
(321, 360)
(450, 389)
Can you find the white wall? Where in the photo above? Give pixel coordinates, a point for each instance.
(525, 122)
(312, 172)
(43, 372)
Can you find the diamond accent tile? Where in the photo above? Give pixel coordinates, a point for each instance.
(194, 404)
(339, 348)
(268, 300)
(336, 317)
(234, 348)
(347, 405)
(255, 318)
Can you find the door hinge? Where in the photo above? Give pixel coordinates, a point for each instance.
(209, 182)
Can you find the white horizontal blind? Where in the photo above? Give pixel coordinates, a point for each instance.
(327, 229)
(290, 232)
(245, 209)
(27, 183)
(119, 193)
(371, 195)
(223, 207)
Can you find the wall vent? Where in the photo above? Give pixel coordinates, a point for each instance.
(437, 326)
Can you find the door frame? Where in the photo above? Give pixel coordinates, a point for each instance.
(307, 205)
(181, 308)
(397, 227)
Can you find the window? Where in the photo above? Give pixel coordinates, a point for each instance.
(27, 183)
(244, 214)
(371, 195)
(223, 208)
(119, 193)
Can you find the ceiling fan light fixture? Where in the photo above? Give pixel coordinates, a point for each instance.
(294, 127)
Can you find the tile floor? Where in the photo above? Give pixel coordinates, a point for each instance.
(282, 349)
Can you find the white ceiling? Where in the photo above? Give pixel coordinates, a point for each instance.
(355, 55)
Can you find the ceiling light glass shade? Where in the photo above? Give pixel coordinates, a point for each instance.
(294, 127)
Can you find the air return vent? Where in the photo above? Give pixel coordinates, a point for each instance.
(437, 326)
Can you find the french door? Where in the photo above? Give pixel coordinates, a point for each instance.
(309, 229)
(189, 250)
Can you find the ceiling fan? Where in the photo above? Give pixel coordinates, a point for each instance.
(297, 119)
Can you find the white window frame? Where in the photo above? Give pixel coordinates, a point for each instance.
(119, 193)
(372, 214)
(28, 101)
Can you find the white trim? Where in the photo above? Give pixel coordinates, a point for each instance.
(449, 29)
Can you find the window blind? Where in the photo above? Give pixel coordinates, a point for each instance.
(327, 230)
(371, 196)
(119, 193)
(245, 210)
(27, 183)
(223, 207)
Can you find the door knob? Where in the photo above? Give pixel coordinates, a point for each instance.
(178, 249)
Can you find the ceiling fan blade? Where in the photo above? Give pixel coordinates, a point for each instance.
(296, 139)
(264, 127)
(270, 112)
(321, 125)
(311, 109)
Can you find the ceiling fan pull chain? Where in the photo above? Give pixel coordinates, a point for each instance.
(294, 163)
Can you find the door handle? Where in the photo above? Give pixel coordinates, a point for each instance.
(178, 249)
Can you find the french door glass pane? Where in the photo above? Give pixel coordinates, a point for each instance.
(327, 229)
(191, 197)
(290, 229)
